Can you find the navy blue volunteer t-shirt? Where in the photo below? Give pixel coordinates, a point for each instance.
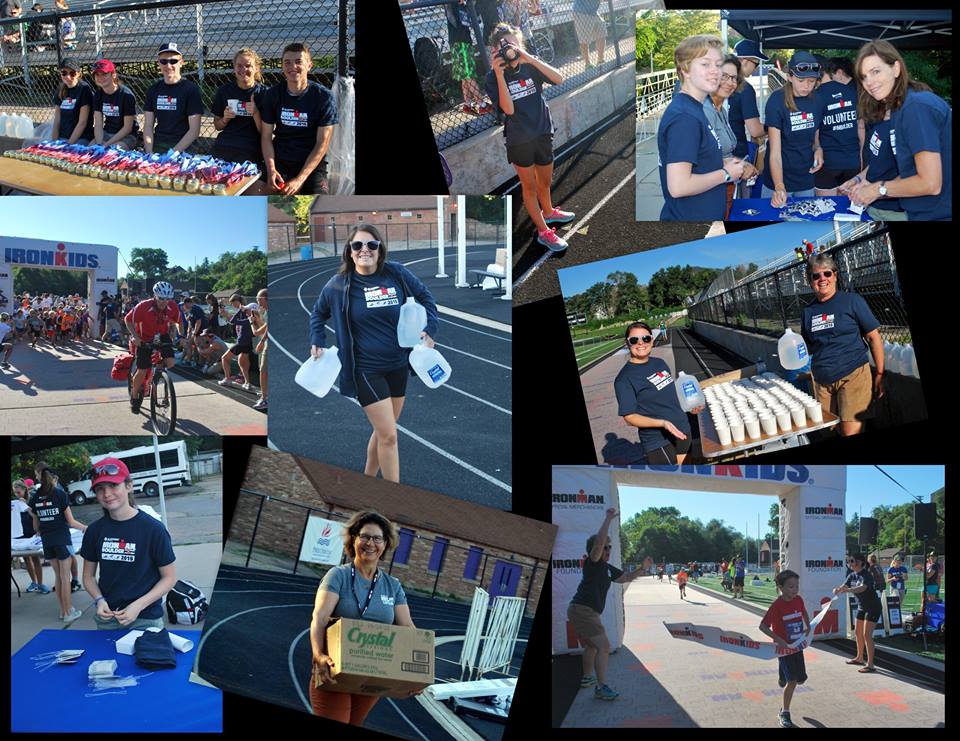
(868, 599)
(647, 389)
(833, 331)
(686, 136)
(743, 105)
(171, 105)
(881, 164)
(70, 103)
(196, 314)
(130, 554)
(924, 123)
(109, 310)
(296, 119)
(114, 107)
(593, 588)
(241, 132)
(51, 509)
(797, 131)
(531, 117)
(375, 302)
(242, 328)
(838, 127)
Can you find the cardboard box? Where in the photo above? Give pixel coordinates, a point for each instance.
(379, 659)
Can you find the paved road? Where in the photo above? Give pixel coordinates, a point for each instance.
(69, 391)
(455, 439)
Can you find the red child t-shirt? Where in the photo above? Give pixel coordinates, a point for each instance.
(682, 577)
(786, 618)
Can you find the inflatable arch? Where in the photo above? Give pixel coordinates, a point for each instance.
(812, 529)
(98, 261)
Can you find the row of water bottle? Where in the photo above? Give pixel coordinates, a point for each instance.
(900, 359)
(317, 375)
(16, 126)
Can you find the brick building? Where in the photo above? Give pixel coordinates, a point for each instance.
(281, 233)
(447, 546)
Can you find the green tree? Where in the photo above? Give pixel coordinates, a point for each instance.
(669, 28)
(298, 207)
(243, 271)
(149, 262)
(42, 280)
(487, 209)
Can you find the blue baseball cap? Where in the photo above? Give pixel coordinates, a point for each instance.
(804, 64)
(749, 48)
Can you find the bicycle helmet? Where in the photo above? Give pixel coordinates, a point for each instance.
(163, 290)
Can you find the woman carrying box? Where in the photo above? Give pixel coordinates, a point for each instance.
(357, 590)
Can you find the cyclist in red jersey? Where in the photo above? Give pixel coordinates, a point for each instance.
(145, 321)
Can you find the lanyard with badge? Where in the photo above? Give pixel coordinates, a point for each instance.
(353, 586)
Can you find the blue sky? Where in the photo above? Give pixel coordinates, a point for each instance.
(760, 245)
(866, 488)
(186, 228)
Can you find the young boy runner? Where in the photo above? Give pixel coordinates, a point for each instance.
(785, 622)
(682, 582)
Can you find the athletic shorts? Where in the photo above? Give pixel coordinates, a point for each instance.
(462, 64)
(538, 151)
(668, 453)
(589, 28)
(58, 552)
(826, 179)
(585, 621)
(144, 353)
(738, 581)
(793, 668)
(233, 154)
(871, 615)
(851, 397)
(316, 182)
(373, 386)
(238, 349)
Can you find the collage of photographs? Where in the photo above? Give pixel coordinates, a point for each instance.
(718, 234)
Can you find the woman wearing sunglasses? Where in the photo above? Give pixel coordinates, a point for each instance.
(358, 590)
(133, 552)
(72, 118)
(585, 612)
(793, 115)
(647, 400)
(835, 327)
(363, 301)
(921, 137)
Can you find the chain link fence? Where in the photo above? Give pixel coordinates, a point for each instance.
(128, 33)
(448, 41)
(771, 300)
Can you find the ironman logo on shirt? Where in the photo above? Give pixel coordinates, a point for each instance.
(110, 109)
(293, 117)
(166, 103)
(380, 296)
(660, 379)
(800, 120)
(521, 88)
(118, 549)
(821, 321)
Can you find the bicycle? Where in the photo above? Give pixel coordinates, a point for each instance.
(158, 383)
(540, 41)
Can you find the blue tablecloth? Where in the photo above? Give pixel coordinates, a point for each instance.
(766, 213)
(53, 701)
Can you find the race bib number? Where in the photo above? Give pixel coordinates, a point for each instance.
(166, 103)
(821, 321)
(118, 549)
(293, 117)
(380, 296)
(660, 379)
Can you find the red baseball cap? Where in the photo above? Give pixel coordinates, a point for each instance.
(110, 470)
(104, 65)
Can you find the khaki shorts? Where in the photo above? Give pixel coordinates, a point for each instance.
(586, 621)
(851, 397)
(589, 28)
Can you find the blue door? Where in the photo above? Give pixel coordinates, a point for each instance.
(506, 576)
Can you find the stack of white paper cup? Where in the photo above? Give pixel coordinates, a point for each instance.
(814, 411)
(768, 422)
(723, 432)
(798, 415)
(736, 429)
(783, 418)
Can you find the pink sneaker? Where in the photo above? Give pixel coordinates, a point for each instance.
(551, 240)
(558, 217)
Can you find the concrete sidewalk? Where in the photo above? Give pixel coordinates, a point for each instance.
(34, 612)
(669, 683)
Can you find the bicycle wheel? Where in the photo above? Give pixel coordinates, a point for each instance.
(163, 404)
(541, 46)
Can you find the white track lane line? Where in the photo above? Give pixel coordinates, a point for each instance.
(603, 202)
(471, 329)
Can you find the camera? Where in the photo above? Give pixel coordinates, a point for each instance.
(507, 51)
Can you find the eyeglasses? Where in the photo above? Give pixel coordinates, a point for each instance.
(728, 78)
(109, 469)
(646, 339)
(169, 61)
(375, 539)
(825, 274)
(68, 73)
(607, 547)
(373, 245)
(806, 67)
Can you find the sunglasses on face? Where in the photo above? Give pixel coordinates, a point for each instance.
(375, 539)
(168, 61)
(645, 339)
(68, 72)
(109, 469)
(373, 245)
(825, 274)
(806, 67)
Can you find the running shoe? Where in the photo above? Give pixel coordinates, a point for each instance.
(72, 615)
(588, 681)
(5, 365)
(556, 216)
(75, 585)
(246, 387)
(33, 587)
(43, 589)
(135, 405)
(261, 403)
(785, 721)
(602, 692)
(484, 108)
(552, 241)
(223, 382)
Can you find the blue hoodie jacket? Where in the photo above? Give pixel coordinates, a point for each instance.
(333, 304)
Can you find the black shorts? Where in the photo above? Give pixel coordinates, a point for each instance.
(58, 552)
(145, 352)
(668, 453)
(373, 386)
(234, 154)
(826, 179)
(539, 151)
(738, 581)
(872, 615)
(238, 349)
(793, 668)
(316, 182)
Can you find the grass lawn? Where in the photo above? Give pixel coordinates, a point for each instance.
(589, 353)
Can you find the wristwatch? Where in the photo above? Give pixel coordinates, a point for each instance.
(726, 176)
(883, 189)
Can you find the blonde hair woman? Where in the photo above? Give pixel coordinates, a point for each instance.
(235, 113)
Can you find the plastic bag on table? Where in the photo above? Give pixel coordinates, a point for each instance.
(41, 132)
(341, 154)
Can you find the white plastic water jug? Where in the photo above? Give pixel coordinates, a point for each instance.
(893, 358)
(792, 351)
(3, 123)
(317, 375)
(689, 392)
(430, 365)
(413, 318)
(24, 128)
(11, 126)
(908, 361)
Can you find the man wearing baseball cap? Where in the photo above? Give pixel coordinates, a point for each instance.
(114, 108)
(172, 107)
(133, 552)
(744, 114)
